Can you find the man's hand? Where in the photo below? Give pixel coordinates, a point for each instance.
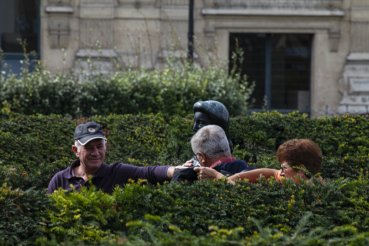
(170, 171)
(187, 163)
(207, 173)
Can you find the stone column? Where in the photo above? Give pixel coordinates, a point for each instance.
(355, 79)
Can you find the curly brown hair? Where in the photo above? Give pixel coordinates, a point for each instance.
(301, 152)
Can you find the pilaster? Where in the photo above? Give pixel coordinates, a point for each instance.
(355, 78)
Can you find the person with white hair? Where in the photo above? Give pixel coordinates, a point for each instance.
(211, 149)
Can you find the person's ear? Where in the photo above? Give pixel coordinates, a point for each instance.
(75, 150)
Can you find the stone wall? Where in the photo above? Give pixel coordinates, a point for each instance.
(101, 36)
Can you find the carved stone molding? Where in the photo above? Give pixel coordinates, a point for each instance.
(139, 3)
(97, 2)
(59, 2)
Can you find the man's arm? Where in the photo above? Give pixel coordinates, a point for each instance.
(154, 174)
(170, 172)
(208, 173)
(171, 169)
(251, 176)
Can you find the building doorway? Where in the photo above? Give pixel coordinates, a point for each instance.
(279, 65)
(19, 34)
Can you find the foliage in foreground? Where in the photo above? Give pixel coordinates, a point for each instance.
(214, 213)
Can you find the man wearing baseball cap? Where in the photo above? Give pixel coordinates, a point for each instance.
(90, 149)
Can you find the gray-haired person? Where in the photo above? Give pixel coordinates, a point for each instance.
(211, 149)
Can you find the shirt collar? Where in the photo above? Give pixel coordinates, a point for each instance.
(222, 160)
(68, 173)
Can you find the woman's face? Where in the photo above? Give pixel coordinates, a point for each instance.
(288, 172)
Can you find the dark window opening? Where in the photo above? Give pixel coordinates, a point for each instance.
(19, 26)
(279, 65)
(19, 35)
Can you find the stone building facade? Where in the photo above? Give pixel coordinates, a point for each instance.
(322, 44)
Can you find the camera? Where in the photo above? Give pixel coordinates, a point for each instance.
(195, 162)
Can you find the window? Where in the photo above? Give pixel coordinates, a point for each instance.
(19, 30)
(279, 65)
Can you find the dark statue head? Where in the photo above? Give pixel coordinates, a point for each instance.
(210, 112)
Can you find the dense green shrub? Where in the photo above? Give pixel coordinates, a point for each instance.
(215, 211)
(171, 91)
(21, 215)
(34, 147)
(342, 139)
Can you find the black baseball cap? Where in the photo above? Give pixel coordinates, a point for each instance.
(88, 131)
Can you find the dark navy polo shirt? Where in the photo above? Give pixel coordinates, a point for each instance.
(108, 176)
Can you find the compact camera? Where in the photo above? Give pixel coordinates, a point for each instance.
(195, 162)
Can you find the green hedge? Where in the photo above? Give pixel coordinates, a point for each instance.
(172, 91)
(205, 213)
(214, 213)
(343, 139)
(34, 147)
(22, 214)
